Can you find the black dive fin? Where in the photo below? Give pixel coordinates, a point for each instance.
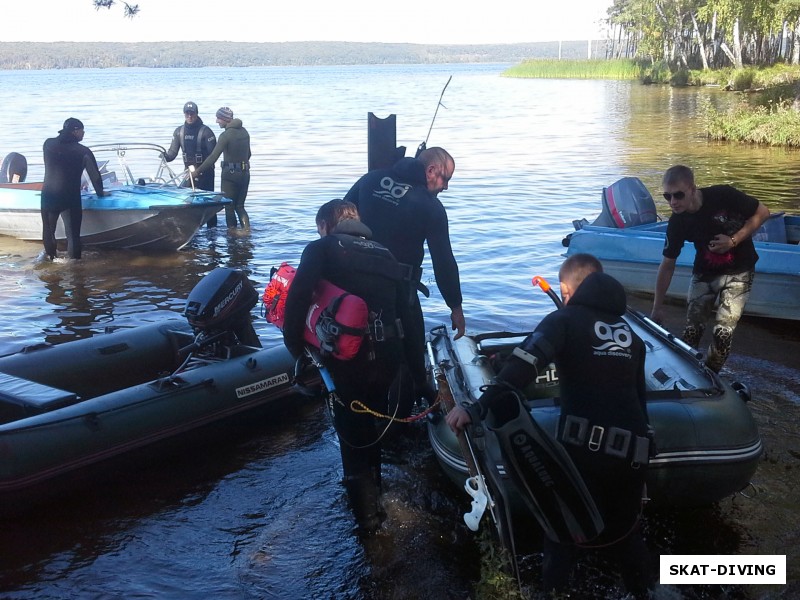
(547, 479)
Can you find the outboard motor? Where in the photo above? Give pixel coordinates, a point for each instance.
(218, 308)
(626, 202)
(14, 168)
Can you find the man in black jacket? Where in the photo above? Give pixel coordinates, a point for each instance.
(65, 160)
(401, 207)
(196, 141)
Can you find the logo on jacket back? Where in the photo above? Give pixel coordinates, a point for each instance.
(614, 339)
(391, 191)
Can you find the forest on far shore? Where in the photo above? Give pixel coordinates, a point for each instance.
(72, 55)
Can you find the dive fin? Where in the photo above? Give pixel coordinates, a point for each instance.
(548, 480)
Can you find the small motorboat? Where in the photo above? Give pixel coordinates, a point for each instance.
(708, 445)
(71, 406)
(153, 213)
(628, 239)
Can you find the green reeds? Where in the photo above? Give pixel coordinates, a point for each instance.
(575, 69)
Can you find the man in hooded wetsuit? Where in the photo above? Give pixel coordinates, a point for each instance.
(603, 425)
(234, 146)
(401, 207)
(196, 141)
(65, 160)
(346, 257)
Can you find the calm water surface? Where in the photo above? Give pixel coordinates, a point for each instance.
(231, 518)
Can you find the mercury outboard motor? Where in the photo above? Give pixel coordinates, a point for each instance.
(218, 308)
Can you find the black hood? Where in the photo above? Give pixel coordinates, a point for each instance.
(602, 292)
(353, 227)
(411, 171)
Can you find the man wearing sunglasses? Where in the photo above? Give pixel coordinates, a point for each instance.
(719, 220)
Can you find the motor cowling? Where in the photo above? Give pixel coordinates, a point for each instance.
(221, 302)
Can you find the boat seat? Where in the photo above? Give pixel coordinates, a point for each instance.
(33, 398)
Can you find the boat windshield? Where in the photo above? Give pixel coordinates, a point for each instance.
(134, 164)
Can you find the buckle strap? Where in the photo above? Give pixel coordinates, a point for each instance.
(380, 331)
(619, 443)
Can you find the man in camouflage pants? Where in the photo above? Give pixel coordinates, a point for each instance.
(720, 220)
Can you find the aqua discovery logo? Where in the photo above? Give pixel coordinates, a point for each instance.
(613, 339)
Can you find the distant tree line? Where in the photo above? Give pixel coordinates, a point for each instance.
(69, 55)
(706, 33)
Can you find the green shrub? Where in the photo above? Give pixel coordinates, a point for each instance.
(742, 79)
(680, 77)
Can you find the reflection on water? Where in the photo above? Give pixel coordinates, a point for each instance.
(260, 513)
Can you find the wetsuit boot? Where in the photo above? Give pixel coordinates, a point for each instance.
(364, 496)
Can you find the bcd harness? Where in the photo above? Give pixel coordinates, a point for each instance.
(199, 156)
(337, 321)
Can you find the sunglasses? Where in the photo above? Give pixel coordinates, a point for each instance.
(676, 195)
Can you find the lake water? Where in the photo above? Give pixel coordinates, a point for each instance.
(261, 514)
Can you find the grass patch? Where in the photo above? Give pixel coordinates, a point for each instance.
(575, 69)
(767, 115)
(495, 580)
(774, 124)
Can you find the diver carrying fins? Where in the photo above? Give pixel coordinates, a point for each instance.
(585, 486)
(544, 473)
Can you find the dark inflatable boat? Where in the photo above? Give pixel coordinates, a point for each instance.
(708, 445)
(69, 406)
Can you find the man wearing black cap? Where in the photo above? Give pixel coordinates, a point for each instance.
(197, 141)
(65, 159)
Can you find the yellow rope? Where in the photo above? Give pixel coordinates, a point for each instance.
(359, 407)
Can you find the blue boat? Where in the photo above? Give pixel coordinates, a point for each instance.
(628, 238)
(151, 213)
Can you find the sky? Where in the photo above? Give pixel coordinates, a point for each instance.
(398, 21)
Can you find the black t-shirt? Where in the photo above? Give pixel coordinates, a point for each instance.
(724, 211)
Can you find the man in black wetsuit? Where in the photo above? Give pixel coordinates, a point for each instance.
(346, 257)
(401, 207)
(196, 141)
(604, 423)
(65, 160)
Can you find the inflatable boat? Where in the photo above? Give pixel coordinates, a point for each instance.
(70, 406)
(708, 445)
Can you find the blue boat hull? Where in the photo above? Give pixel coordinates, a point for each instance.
(632, 255)
(154, 214)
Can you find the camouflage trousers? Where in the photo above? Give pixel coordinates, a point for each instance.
(731, 292)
